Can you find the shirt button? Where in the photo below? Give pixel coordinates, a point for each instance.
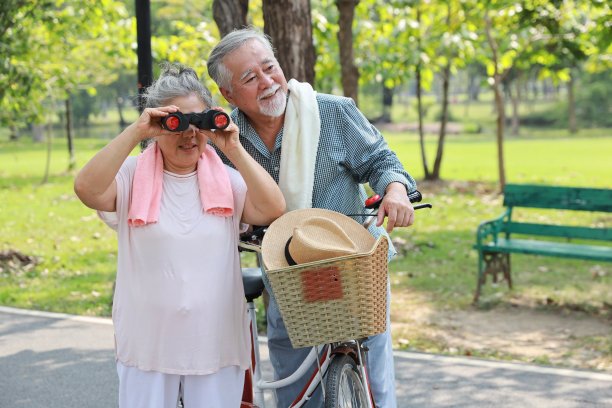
(275, 168)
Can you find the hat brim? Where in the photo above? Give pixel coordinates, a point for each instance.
(275, 239)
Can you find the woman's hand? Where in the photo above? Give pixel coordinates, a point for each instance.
(95, 184)
(227, 140)
(149, 124)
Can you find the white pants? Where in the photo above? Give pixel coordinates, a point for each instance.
(152, 389)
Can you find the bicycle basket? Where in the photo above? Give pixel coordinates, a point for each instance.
(329, 301)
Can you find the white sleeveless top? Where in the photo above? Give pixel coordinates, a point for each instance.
(179, 305)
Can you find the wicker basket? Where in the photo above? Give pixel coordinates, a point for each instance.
(330, 301)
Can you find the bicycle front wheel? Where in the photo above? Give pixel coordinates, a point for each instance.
(344, 388)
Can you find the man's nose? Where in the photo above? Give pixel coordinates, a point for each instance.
(266, 81)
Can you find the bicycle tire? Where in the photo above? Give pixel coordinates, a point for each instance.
(343, 388)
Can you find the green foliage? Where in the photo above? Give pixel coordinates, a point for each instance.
(83, 105)
(19, 77)
(184, 32)
(593, 107)
(55, 47)
(449, 115)
(324, 32)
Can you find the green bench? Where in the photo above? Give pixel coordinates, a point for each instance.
(497, 239)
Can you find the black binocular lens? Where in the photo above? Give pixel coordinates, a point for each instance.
(206, 120)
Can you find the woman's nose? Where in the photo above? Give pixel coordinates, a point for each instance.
(190, 131)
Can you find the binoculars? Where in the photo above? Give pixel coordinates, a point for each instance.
(207, 120)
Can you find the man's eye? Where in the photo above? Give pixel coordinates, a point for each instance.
(270, 68)
(250, 79)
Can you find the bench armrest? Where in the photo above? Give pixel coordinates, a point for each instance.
(492, 227)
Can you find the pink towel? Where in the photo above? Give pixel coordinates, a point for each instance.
(213, 180)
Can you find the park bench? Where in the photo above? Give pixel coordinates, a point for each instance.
(497, 239)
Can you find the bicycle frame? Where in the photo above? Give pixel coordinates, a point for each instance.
(351, 348)
(259, 385)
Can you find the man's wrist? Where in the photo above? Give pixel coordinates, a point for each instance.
(396, 186)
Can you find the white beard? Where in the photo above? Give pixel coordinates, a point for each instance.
(274, 106)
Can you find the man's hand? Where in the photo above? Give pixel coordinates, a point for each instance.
(396, 207)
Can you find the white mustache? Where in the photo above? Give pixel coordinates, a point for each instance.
(269, 92)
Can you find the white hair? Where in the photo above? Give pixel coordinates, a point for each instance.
(228, 44)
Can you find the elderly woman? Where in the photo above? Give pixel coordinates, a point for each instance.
(179, 311)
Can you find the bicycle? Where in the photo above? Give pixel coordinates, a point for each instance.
(341, 365)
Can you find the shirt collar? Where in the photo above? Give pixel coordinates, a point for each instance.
(247, 131)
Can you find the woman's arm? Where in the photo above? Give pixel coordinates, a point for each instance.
(95, 184)
(264, 200)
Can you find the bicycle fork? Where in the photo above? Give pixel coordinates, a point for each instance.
(364, 375)
(357, 352)
(259, 385)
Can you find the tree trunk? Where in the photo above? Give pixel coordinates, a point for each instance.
(230, 15)
(49, 148)
(444, 115)
(14, 134)
(120, 102)
(535, 89)
(420, 103)
(71, 159)
(572, 104)
(474, 87)
(499, 103)
(387, 103)
(38, 133)
(421, 132)
(516, 98)
(289, 25)
(443, 120)
(350, 72)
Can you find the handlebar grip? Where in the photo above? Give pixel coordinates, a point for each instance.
(415, 196)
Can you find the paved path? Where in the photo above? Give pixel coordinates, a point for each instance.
(50, 360)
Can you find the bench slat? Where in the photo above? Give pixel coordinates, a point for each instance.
(556, 197)
(563, 231)
(558, 249)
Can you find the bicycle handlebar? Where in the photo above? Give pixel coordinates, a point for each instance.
(414, 196)
(257, 233)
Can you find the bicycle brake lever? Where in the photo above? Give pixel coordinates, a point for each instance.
(374, 214)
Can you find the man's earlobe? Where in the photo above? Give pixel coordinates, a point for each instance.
(227, 95)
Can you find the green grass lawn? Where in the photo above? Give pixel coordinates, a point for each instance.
(76, 252)
(436, 266)
(562, 160)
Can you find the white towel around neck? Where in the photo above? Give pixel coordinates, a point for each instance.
(301, 132)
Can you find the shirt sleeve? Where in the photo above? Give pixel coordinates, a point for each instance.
(368, 154)
(124, 190)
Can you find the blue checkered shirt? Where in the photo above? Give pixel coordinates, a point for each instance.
(351, 152)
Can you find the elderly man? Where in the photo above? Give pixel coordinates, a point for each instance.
(320, 149)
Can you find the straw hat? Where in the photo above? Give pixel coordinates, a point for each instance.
(313, 234)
